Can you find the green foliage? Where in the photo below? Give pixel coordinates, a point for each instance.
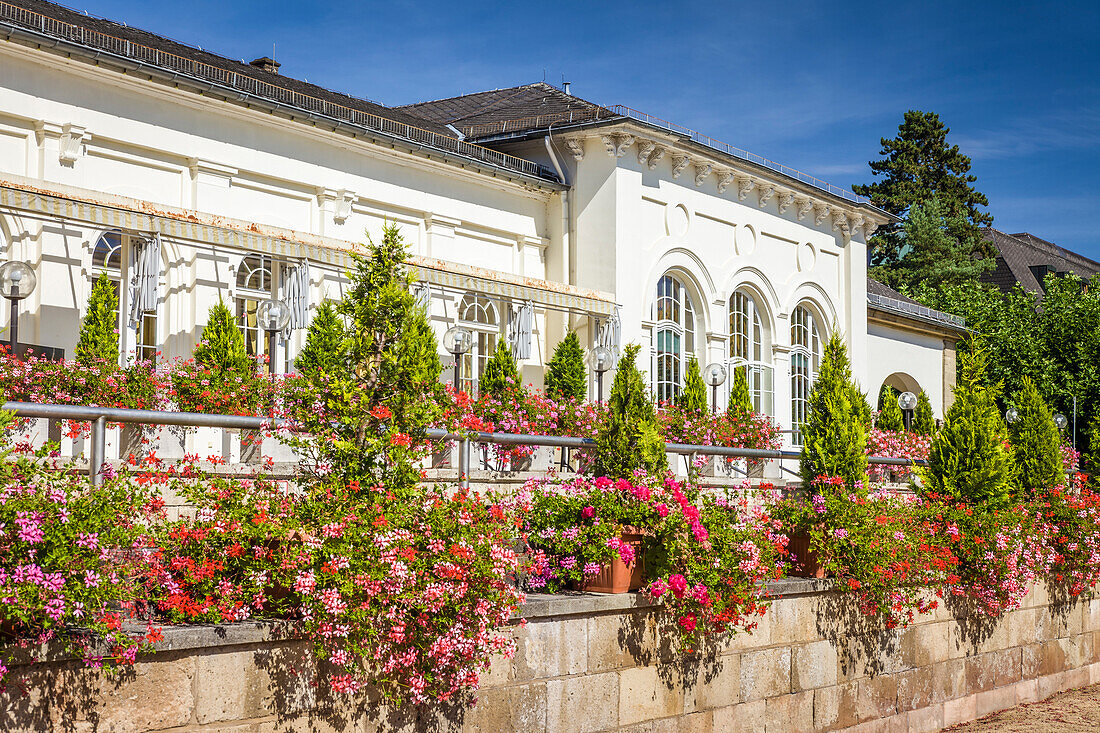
(740, 397)
(500, 372)
(862, 407)
(630, 438)
(324, 343)
(693, 398)
(98, 331)
(221, 346)
(223, 377)
(890, 416)
(923, 422)
(969, 460)
(834, 438)
(566, 373)
(1036, 442)
(1090, 458)
(918, 166)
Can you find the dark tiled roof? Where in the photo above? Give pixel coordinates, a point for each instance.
(885, 298)
(1017, 254)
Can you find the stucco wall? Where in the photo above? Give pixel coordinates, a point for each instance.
(602, 663)
(917, 357)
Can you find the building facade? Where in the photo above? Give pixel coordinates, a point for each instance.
(528, 212)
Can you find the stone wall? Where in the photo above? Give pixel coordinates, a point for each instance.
(591, 663)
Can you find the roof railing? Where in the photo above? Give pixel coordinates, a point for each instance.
(915, 309)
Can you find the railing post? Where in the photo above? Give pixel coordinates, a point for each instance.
(464, 463)
(98, 451)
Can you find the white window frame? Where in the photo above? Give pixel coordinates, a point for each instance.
(478, 314)
(805, 361)
(135, 343)
(674, 334)
(749, 350)
(247, 297)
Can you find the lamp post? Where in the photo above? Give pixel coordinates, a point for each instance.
(1012, 415)
(17, 281)
(601, 359)
(1060, 421)
(457, 341)
(714, 375)
(907, 401)
(272, 315)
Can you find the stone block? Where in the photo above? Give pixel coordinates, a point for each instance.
(758, 637)
(715, 685)
(1031, 660)
(748, 717)
(792, 620)
(587, 704)
(980, 672)
(914, 688)
(1076, 678)
(1051, 684)
(1052, 657)
(518, 708)
(790, 713)
(1026, 691)
(1065, 620)
(876, 697)
(925, 644)
(157, 695)
(621, 640)
(814, 665)
(926, 720)
(765, 673)
(995, 700)
(281, 680)
(949, 680)
(645, 695)
(553, 648)
(960, 710)
(1006, 666)
(222, 686)
(835, 707)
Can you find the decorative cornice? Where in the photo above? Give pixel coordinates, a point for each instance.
(765, 191)
(840, 223)
(725, 178)
(342, 202)
(645, 149)
(805, 205)
(208, 167)
(576, 147)
(656, 155)
(702, 172)
(617, 143)
(70, 147)
(855, 222)
(786, 198)
(679, 162)
(821, 210)
(744, 185)
(869, 227)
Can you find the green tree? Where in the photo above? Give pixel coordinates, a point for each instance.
(1090, 457)
(834, 440)
(740, 397)
(323, 352)
(221, 346)
(890, 416)
(862, 407)
(500, 373)
(98, 331)
(630, 438)
(969, 460)
(918, 166)
(1036, 442)
(693, 397)
(923, 422)
(566, 373)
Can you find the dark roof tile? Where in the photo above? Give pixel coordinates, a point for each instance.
(1018, 253)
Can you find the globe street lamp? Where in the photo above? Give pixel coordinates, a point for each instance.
(272, 315)
(600, 359)
(17, 281)
(1060, 421)
(714, 375)
(907, 401)
(1012, 415)
(457, 340)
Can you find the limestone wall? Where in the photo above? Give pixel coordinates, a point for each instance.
(602, 663)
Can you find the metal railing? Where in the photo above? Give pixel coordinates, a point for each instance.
(100, 416)
(208, 72)
(915, 309)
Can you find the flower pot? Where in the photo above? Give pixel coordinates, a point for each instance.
(806, 564)
(616, 576)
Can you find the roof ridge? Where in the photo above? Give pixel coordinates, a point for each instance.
(474, 94)
(1029, 239)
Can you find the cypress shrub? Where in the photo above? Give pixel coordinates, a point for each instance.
(862, 407)
(693, 398)
(1090, 457)
(923, 422)
(322, 353)
(630, 438)
(566, 373)
(834, 440)
(500, 372)
(98, 331)
(1036, 443)
(890, 416)
(740, 397)
(221, 347)
(969, 460)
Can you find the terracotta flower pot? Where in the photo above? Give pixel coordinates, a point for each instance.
(807, 564)
(616, 576)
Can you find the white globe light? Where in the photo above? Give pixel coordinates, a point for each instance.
(714, 374)
(17, 280)
(457, 340)
(1012, 415)
(601, 359)
(273, 315)
(907, 400)
(1060, 420)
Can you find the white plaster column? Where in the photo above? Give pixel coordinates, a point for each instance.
(440, 236)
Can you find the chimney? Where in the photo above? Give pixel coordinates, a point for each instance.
(266, 63)
(564, 86)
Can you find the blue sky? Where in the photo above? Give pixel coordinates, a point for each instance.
(811, 85)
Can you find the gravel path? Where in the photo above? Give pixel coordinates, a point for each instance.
(1073, 711)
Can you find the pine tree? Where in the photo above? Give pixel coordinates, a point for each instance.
(630, 437)
(890, 416)
(740, 398)
(98, 331)
(923, 422)
(324, 343)
(500, 373)
(969, 460)
(834, 440)
(693, 397)
(566, 374)
(1036, 442)
(221, 346)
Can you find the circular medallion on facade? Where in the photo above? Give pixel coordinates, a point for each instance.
(746, 240)
(807, 257)
(677, 220)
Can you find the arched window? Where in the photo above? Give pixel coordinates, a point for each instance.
(749, 343)
(675, 336)
(478, 314)
(113, 255)
(805, 360)
(254, 282)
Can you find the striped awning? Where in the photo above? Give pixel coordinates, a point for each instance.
(179, 224)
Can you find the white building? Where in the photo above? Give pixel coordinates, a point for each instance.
(601, 220)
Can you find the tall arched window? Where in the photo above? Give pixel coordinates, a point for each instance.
(749, 349)
(675, 336)
(113, 255)
(805, 360)
(478, 314)
(254, 285)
